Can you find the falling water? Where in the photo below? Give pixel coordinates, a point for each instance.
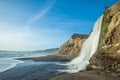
(89, 47)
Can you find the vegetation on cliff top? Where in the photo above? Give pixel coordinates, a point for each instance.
(81, 36)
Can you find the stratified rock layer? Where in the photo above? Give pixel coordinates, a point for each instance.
(73, 45)
(107, 57)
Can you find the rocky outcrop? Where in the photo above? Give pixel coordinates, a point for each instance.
(73, 45)
(107, 57)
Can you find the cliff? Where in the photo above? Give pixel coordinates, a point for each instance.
(73, 45)
(107, 57)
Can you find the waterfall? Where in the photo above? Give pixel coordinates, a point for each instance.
(89, 47)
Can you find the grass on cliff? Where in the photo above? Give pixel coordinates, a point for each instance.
(81, 36)
(105, 24)
(104, 29)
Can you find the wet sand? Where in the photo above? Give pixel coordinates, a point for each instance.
(50, 58)
(32, 71)
(87, 75)
(40, 68)
(46, 68)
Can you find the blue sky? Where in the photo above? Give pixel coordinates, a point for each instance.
(42, 24)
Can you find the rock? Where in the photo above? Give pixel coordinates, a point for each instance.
(107, 57)
(73, 45)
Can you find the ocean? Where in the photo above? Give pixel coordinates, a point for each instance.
(7, 58)
(12, 69)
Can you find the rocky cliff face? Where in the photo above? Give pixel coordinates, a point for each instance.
(73, 45)
(107, 57)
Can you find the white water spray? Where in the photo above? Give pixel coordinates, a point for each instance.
(89, 47)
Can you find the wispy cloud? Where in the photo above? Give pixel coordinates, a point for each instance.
(39, 15)
(42, 12)
(18, 37)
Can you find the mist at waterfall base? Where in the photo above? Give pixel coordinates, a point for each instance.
(89, 47)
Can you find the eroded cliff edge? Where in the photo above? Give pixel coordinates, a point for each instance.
(107, 57)
(73, 45)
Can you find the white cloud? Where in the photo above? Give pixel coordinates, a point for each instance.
(42, 12)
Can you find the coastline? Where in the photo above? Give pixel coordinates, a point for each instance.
(41, 69)
(8, 63)
(32, 71)
(36, 68)
(49, 58)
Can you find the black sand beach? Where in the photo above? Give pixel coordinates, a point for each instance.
(41, 69)
(86, 75)
(50, 58)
